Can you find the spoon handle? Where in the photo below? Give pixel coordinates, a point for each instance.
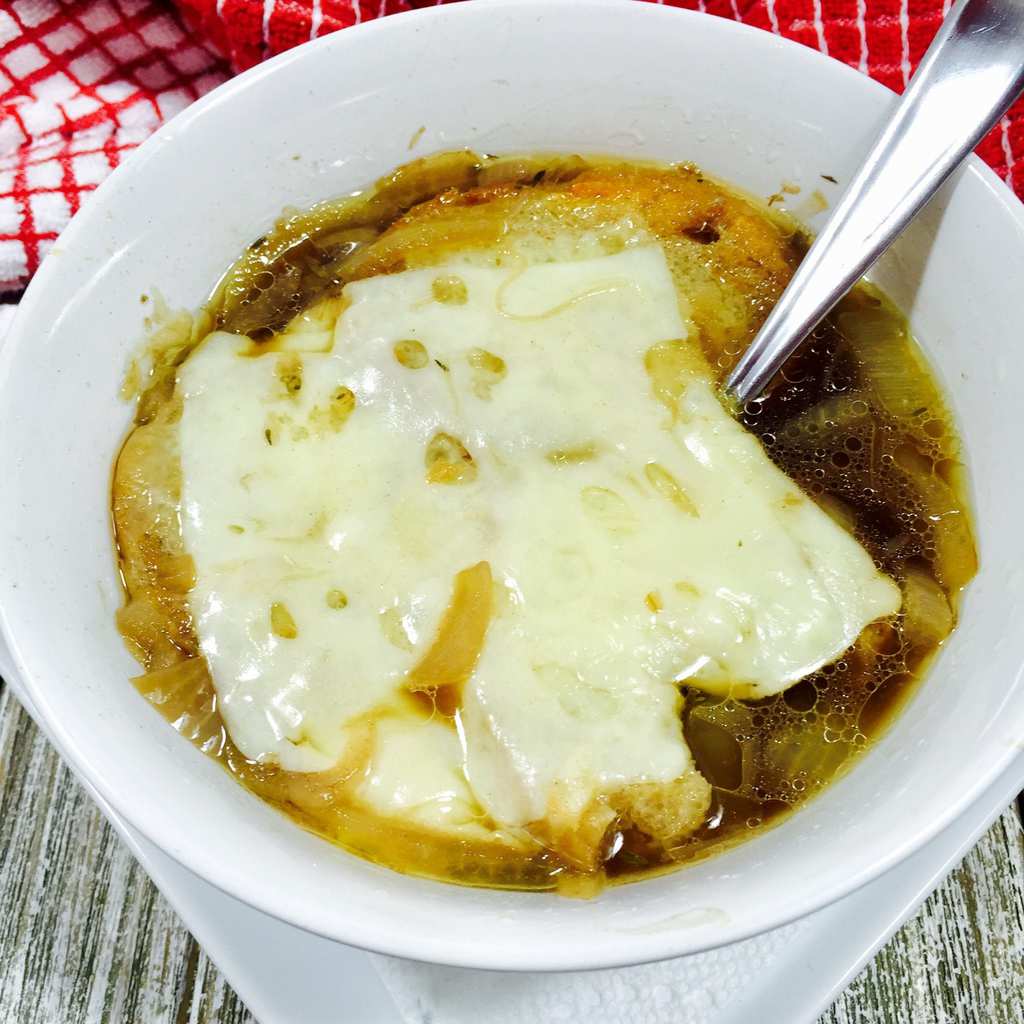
(970, 75)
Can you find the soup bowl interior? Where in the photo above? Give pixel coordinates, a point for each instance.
(630, 79)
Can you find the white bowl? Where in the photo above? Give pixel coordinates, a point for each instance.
(321, 120)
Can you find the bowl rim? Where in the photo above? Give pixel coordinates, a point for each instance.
(156, 827)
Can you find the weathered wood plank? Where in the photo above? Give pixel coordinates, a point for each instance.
(86, 939)
(961, 959)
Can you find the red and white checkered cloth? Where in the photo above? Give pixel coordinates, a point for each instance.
(81, 81)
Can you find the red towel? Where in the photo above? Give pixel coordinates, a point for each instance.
(81, 81)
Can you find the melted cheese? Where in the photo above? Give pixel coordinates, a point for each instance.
(633, 544)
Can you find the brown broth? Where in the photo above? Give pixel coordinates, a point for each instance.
(856, 419)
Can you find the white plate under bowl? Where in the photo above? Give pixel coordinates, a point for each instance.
(321, 120)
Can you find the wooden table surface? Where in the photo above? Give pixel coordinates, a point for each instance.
(85, 938)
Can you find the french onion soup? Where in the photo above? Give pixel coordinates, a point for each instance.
(436, 533)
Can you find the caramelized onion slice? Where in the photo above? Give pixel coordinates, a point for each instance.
(451, 658)
(927, 616)
(957, 558)
(184, 695)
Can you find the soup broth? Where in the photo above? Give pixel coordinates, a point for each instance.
(856, 420)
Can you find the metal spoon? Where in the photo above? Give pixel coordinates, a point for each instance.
(971, 74)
